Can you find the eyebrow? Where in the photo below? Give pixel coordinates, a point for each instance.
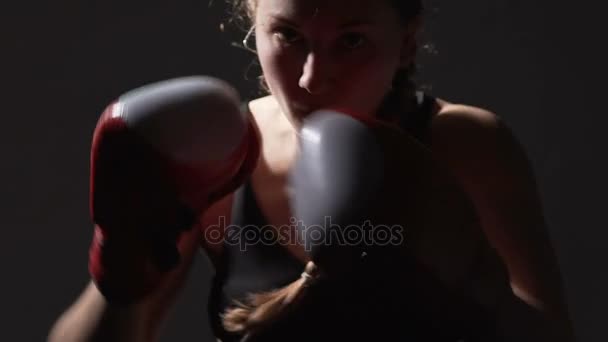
(356, 23)
(346, 25)
(284, 20)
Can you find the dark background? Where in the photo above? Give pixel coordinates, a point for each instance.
(535, 63)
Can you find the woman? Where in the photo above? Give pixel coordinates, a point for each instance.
(358, 55)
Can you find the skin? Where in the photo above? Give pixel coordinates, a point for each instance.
(311, 60)
(316, 56)
(323, 66)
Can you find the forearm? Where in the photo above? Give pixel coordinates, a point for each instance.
(91, 318)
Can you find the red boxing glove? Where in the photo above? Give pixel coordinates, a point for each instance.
(161, 155)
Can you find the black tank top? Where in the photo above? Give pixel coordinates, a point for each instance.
(261, 267)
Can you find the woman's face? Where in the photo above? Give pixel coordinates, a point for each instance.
(337, 53)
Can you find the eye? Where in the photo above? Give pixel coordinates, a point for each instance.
(353, 40)
(287, 35)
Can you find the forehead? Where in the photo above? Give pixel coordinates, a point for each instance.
(326, 11)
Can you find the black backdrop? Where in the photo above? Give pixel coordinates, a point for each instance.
(535, 63)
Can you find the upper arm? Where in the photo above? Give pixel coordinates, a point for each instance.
(494, 171)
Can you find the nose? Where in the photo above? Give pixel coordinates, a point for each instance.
(315, 77)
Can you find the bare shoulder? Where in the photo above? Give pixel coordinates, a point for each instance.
(449, 114)
(479, 148)
(461, 130)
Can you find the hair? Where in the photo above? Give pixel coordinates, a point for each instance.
(260, 310)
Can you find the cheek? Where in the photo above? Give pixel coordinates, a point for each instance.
(366, 83)
(280, 71)
(375, 68)
(376, 75)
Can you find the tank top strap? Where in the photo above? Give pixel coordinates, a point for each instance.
(417, 122)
